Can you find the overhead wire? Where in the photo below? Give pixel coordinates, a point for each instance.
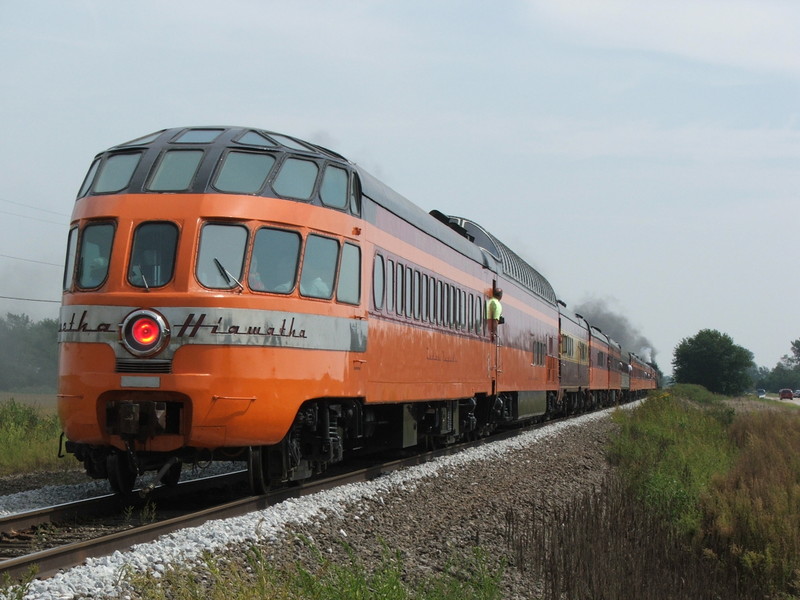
(38, 262)
(41, 262)
(28, 299)
(52, 212)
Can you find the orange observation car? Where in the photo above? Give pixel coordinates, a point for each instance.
(236, 294)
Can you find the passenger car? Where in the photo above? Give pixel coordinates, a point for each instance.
(786, 394)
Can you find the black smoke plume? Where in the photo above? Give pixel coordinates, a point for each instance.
(616, 326)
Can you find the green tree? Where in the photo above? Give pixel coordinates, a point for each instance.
(711, 359)
(794, 359)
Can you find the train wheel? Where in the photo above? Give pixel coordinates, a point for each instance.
(173, 475)
(256, 470)
(121, 475)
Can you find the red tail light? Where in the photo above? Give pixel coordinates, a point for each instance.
(144, 332)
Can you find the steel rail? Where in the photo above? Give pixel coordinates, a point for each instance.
(108, 504)
(49, 562)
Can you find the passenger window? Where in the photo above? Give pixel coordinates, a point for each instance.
(389, 285)
(409, 291)
(198, 136)
(95, 254)
(453, 307)
(319, 267)
(89, 179)
(417, 292)
(432, 300)
(348, 288)
(116, 173)
(440, 303)
(243, 172)
(423, 297)
(333, 191)
(378, 282)
(253, 138)
(175, 171)
(69, 266)
(289, 142)
(400, 292)
(355, 196)
(443, 303)
(276, 254)
(221, 256)
(296, 179)
(153, 254)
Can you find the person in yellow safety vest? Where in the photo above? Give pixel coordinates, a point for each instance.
(494, 311)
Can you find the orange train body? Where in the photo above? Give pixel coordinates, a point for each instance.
(237, 294)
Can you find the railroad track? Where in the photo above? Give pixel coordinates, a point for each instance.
(51, 561)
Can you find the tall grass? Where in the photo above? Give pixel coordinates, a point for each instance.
(728, 485)
(669, 450)
(752, 513)
(28, 439)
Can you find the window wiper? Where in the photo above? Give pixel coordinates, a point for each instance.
(227, 274)
(141, 274)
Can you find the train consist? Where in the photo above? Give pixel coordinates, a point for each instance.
(237, 294)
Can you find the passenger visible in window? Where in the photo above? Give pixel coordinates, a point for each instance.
(254, 279)
(314, 283)
(97, 272)
(262, 279)
(319, 267)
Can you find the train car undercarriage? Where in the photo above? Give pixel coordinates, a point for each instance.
(324, 432)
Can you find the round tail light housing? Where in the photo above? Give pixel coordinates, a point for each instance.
(144, 333)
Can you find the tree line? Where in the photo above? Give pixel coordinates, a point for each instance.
(786, 374)
(28, 354)
(712, 359)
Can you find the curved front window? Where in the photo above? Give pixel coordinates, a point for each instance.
(153, 256)
(273, 268)
(319, 267)
(175, 171)
(221, 256)
(116, 173)
(69, 265)
(89, 179)
(333, 191)
(243, 172)
(349, 287)
(296, 178)
(95, 254)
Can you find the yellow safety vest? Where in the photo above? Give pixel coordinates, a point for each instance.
(494, 309)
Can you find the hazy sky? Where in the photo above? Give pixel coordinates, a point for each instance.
(646, 154)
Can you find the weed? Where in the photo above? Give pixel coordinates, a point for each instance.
(148, 513)
(28, 439)
(16, 590)
(255, 577)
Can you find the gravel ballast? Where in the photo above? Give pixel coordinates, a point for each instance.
(429, 514)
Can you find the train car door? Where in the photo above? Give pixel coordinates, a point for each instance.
(495, 330)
